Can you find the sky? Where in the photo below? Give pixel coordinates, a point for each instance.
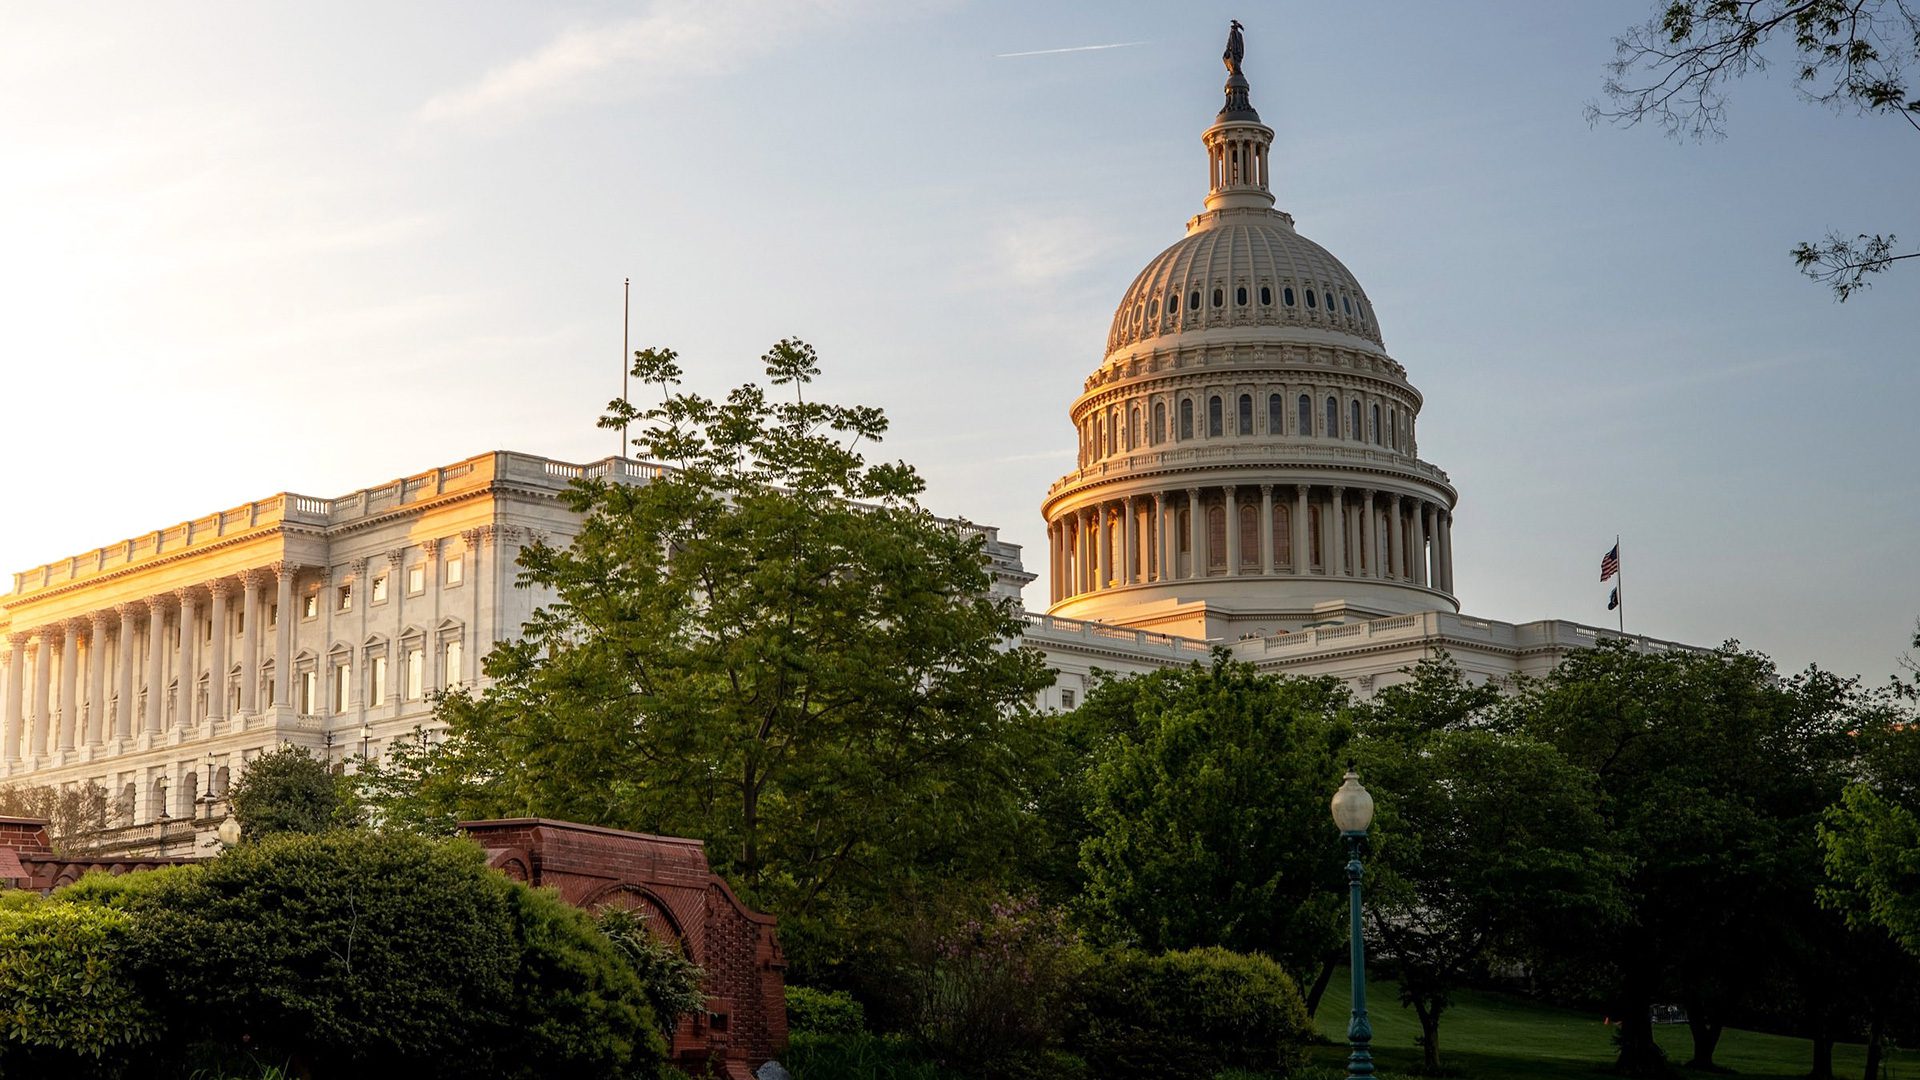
(256, 247)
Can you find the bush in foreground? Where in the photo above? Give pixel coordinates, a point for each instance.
(1189, 1016)
(70, 1003)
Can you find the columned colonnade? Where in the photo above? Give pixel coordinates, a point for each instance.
(1251, 529)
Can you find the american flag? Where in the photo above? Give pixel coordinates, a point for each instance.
(1610, 563)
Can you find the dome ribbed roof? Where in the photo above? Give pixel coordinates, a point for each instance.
(1230, 257)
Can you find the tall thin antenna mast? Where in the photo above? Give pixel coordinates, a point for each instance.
(626, 356)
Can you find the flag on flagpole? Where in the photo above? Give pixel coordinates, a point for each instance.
(1613, 598)
(1610, 565)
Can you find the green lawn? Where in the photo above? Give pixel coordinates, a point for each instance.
(1497, 1035)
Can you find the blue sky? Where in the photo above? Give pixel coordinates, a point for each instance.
(264, 247)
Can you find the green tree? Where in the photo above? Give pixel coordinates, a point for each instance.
(1483, 839)
(1871, 837)
(769, 646)
(1846, 54)
(1205, 793)
(75, 817)
(288, 790)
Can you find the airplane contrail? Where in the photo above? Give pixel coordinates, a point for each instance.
(1075, 48)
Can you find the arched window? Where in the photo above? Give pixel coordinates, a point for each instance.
(1303, 418)
(1240, 296)
(1246, 414)
(1249, 536)
(1133, 428)
(1183, 543)
(1333, 419)
(1282, 535)
(1193, 300)
(1376, 424)
(1353, 416)
(1346, 305)
(1286, 296)
(1173, 304)
(1275, 415)
(1266, 296)
(1393, 429)
(1153, 307)
(1310, 302)
(1186, 418)
(1159, 422)
(1314, 540)
(1219, 297)
(1216, 537)
(1099, 434)
(1213, 417)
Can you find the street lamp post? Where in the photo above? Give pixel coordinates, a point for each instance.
(1353, 812)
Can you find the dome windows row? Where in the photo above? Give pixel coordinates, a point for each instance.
(1196, 300)
(1217, 416)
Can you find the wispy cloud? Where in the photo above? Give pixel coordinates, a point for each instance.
(1068, 49)
(673, 39)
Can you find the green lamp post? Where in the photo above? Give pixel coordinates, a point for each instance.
(1353, 812)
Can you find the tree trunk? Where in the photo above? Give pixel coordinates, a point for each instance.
(1429, 1013)
(1639, 1054)
(1319, 987)
(1876, 1037)
(1822, 1053)
(1706, 1036)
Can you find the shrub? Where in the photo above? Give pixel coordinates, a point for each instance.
(290, 791)
(823, 1012)
(860, 1057)
(1189, 1015)
(67, 981)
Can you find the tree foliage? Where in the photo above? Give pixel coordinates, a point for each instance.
(771, 647)
(75, 816)
(1846, 54)
(66, 978)
(1204, 793)
(288, 790)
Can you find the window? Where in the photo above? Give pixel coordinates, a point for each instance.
(309, 691)
(1219, 297)
(342, 680)
(1286, 296)
(1393, 429)
(310, 606)
(1346, 305)
(1153, 307)
(416, 674)
(1276, 418)
(1193, 301)
(1213, 417)
(1186, 418)
(1249, 536)
(1184, 542)
(1353, 416)
(1246, 414)
(1066, 699)
(1133, 427)
(1266, 296)
(343, 598)
(416, 580)
(456, 570)
(1173, 304)
(450, 652)
(1216, 537)
(1314, 539)
(1282, 535)
(380, 589)
(1376, 425)
(1304, 416)
(1333, 419)
(1240, 296)
(377, 680)
(273, 615)
(1159, 421)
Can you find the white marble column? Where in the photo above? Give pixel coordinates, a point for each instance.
(1102, 548)
(124, 663)
(16, 686)
(1266, 528)
(1396, 539)
(42, 688)
(1233, 532)
(1129, 549)
(283, 639)
(217, 652)
(97, 723)
(1420, 543)
(1337, 554)
(1445, 540)
(250, 584)
(156, 664)
(1302, 549)
(1370, 534)
(70, 683)
(1196, 536)
(185, 717)
(1161, 555)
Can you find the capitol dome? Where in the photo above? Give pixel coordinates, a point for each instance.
(1248, 450)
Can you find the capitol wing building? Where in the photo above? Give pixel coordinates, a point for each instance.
(1248, 478)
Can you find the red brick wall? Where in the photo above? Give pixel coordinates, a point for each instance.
(668, 878)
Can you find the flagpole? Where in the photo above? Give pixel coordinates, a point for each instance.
(626, 357)
(1620, 585)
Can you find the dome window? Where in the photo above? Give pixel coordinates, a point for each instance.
(1219, 297)
(1246, 414)
(1240, 296)
(1214, 417)
(1266, 296)
(1303, 420)
(1153, 308)
(1286, 296)
(1173, 303)
(1353, 416)
(1276, 414)
(1310, 302)
(1186, 418)
(1376, 425)
(1346, 305)
(1193, 301)
(1159, 422)
(1333, 418)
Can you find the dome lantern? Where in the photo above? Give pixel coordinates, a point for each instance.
(1237, 143)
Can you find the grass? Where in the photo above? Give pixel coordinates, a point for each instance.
(1499, 1036)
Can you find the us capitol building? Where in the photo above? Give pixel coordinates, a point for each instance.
(1248, 477)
